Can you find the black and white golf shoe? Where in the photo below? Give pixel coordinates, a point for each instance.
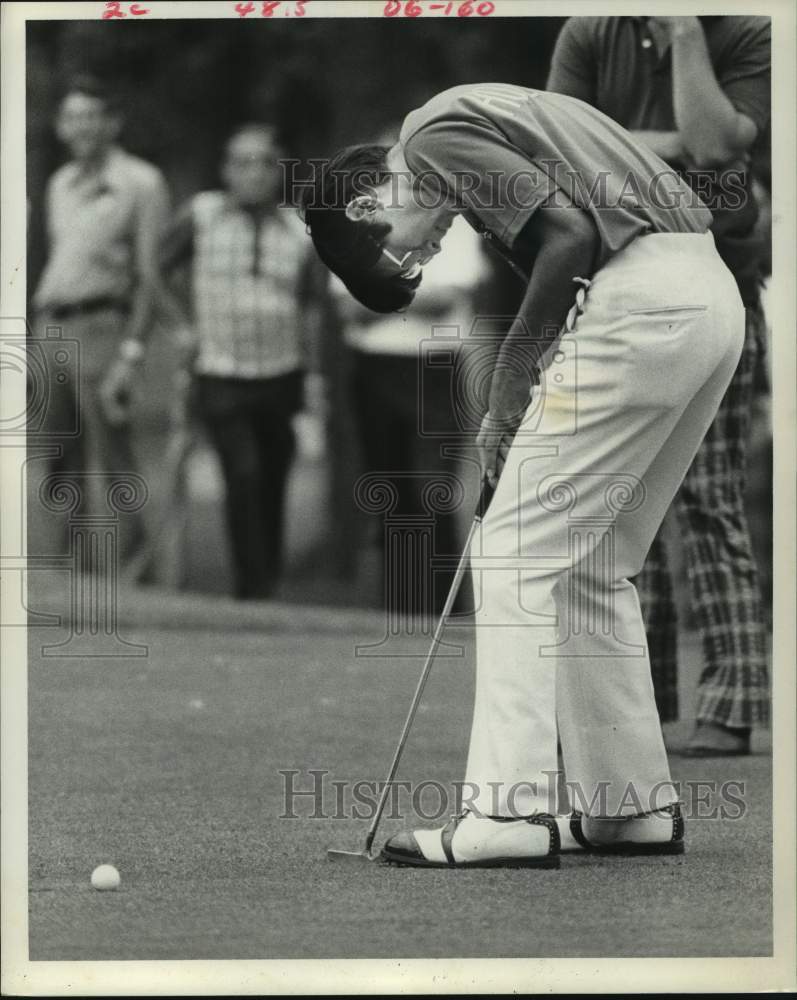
(470, 841)
(659, 832)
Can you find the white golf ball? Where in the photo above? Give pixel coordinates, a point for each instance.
(105, 878)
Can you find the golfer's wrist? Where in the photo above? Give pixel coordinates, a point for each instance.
(508, 404)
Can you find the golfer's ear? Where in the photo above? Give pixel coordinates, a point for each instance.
(363, 206)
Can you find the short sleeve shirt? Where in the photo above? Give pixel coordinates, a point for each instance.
(502, 151)
(93, 224)
(610, 62)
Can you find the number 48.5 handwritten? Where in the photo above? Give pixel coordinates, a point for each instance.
(269, 7)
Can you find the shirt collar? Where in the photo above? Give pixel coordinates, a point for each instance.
(642, 24)
(109, 175)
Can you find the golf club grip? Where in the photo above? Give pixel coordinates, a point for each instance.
(484, 498)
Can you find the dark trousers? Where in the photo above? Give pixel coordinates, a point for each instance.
(249, 423)
(386, 402)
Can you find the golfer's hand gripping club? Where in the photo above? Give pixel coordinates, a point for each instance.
(485, 498)
(493, 441)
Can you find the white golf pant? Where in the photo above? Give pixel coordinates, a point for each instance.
(625, 399)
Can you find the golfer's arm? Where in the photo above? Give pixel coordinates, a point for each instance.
(566, 244)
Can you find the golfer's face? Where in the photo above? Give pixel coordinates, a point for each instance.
(416, 231)
(251, 169)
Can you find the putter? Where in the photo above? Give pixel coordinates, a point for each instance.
(365, 854)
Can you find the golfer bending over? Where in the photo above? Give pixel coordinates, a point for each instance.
(589, 451)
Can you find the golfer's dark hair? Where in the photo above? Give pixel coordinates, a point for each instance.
(352, 249)
(92, 86)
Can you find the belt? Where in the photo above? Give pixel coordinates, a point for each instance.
(87, 306)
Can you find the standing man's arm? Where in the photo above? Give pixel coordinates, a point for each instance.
(713, 130)
(573, 69)
(718, 113)
(574, 72)
(668, 145)
(176, 251)
(41, 296)
(177, 245)
(150, 223)
(150, 219)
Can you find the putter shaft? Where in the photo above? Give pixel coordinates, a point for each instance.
(484, 502)
(365, 855)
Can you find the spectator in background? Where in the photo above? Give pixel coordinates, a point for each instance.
(696, 90)
(405, 413)
(403, 405)
(105, 213)
(251, 307)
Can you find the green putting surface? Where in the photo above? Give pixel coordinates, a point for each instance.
(168, 766)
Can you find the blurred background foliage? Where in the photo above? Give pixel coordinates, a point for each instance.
(183, 86)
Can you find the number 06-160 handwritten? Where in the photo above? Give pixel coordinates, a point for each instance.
(413, 8)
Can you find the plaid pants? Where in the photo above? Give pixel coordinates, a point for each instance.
(723, 578)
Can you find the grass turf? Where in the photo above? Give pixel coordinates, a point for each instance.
(168, 767)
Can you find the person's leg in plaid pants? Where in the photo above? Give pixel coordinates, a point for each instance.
(723, 579)
(654, 586)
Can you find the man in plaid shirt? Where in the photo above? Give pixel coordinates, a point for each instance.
(696, 90)
(251, 276)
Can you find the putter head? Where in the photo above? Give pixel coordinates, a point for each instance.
(334, 855)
